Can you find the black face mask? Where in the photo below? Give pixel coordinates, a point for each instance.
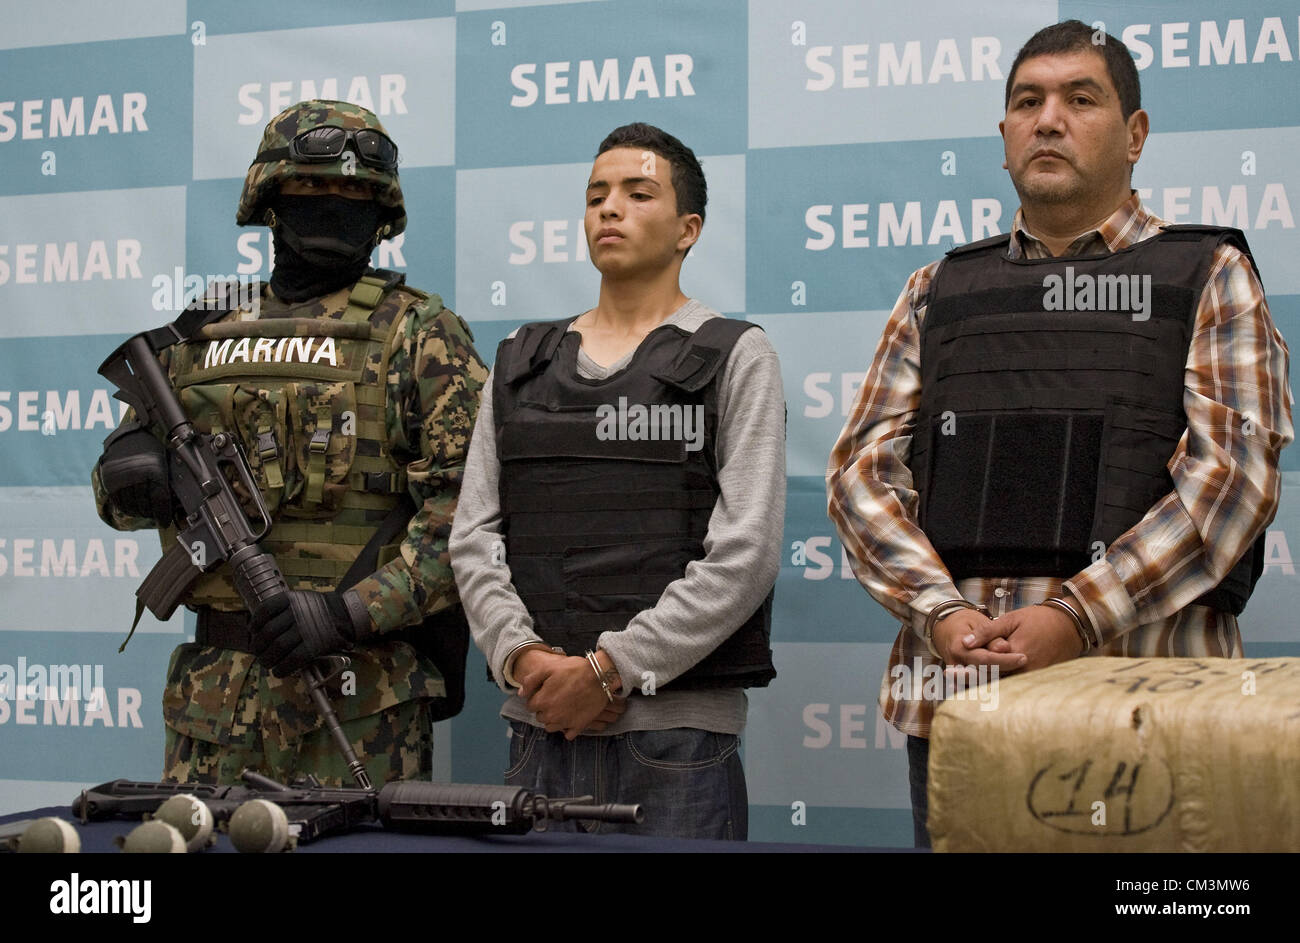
(321, 243)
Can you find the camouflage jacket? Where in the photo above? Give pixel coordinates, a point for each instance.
(432, 387)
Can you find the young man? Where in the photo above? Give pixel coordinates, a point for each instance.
(1141, 427)
(618, 534)
(349, 392)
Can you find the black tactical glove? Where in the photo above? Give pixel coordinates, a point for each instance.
(133, 470)
(291, 630)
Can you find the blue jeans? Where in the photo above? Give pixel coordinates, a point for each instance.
(918, 776)
(690, 782)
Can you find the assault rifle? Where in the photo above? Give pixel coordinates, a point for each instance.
(314, 811)
(216, 529)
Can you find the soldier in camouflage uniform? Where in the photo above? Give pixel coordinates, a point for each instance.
(346, 389)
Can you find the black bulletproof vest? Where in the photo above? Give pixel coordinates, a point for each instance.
(607, 486)
(1052, 401)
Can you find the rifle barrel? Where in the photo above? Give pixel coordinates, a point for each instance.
(604, 812)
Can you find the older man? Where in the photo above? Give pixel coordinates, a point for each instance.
(1068, 441)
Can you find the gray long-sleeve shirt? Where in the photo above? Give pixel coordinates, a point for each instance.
(696, 613)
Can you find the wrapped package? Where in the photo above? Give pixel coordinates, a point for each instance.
(1122, 754)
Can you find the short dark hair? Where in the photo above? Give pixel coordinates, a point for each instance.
(1074, 36)
(688, 178)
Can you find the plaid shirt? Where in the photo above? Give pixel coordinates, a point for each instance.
(1137, 598)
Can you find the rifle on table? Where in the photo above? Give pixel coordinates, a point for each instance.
(217, 530)
(314, 811)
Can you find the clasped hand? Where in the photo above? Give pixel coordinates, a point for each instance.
(1023, 639)
(564, 694)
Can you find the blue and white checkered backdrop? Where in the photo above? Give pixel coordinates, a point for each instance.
(846, 144)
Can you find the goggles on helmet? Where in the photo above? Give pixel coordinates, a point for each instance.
(325, 144)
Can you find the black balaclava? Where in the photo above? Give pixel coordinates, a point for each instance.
(322, 243)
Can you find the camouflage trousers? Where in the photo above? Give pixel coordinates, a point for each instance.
(396, 743)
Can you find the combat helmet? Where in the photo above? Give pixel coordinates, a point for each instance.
(266, 175)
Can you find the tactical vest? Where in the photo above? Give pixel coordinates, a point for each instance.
(305, 397)
(607, 486)
(1052, 401)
